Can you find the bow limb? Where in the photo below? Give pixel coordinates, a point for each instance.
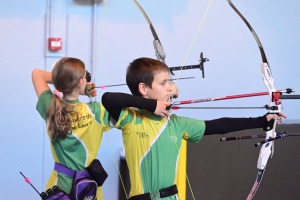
(159, 50)
(275, 107)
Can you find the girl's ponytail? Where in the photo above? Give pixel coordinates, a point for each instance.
(66, 74)
(58, 119)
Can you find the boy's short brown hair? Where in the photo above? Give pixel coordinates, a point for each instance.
(142, 70)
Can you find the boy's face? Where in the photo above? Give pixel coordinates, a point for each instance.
(161, 88)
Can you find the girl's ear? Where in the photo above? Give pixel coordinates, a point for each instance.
(143, 89)
(80, 83)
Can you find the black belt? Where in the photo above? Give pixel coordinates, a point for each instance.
(165, 192)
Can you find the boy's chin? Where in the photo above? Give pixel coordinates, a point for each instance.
(165, 99)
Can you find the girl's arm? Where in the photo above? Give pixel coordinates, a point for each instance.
(40, 80)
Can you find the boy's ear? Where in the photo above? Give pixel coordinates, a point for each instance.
(142, 89)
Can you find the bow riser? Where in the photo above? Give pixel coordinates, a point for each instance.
(265, 151)
(267, 148)
(268, 79)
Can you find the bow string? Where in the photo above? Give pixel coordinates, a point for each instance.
(94, 72)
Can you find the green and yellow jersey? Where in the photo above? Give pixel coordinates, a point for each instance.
(81, 146)
(152, 147)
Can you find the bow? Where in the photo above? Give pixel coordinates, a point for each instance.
(274, 104)
(161, 55)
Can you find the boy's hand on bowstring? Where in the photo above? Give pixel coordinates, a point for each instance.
(90, 89)
(161, 109)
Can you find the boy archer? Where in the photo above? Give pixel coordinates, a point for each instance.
(152, 137)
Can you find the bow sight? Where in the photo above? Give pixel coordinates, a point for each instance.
(200, 66)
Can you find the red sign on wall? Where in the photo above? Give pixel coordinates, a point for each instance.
(54, 44)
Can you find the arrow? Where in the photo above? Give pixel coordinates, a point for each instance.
(105, 86)
(28, 181)
(288, 90)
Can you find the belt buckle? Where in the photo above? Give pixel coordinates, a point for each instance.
(155, 195)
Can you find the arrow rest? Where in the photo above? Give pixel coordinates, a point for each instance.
(271, 107)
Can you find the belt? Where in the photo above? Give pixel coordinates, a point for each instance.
(63, 169)
(162, 193)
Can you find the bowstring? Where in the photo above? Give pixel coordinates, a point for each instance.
(183, 64)
(193, 42)
(119, 173)
(95, 72)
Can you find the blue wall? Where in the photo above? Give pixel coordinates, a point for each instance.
(107, 38)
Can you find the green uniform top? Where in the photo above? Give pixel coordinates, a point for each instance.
(152, 147)
(80, 147)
